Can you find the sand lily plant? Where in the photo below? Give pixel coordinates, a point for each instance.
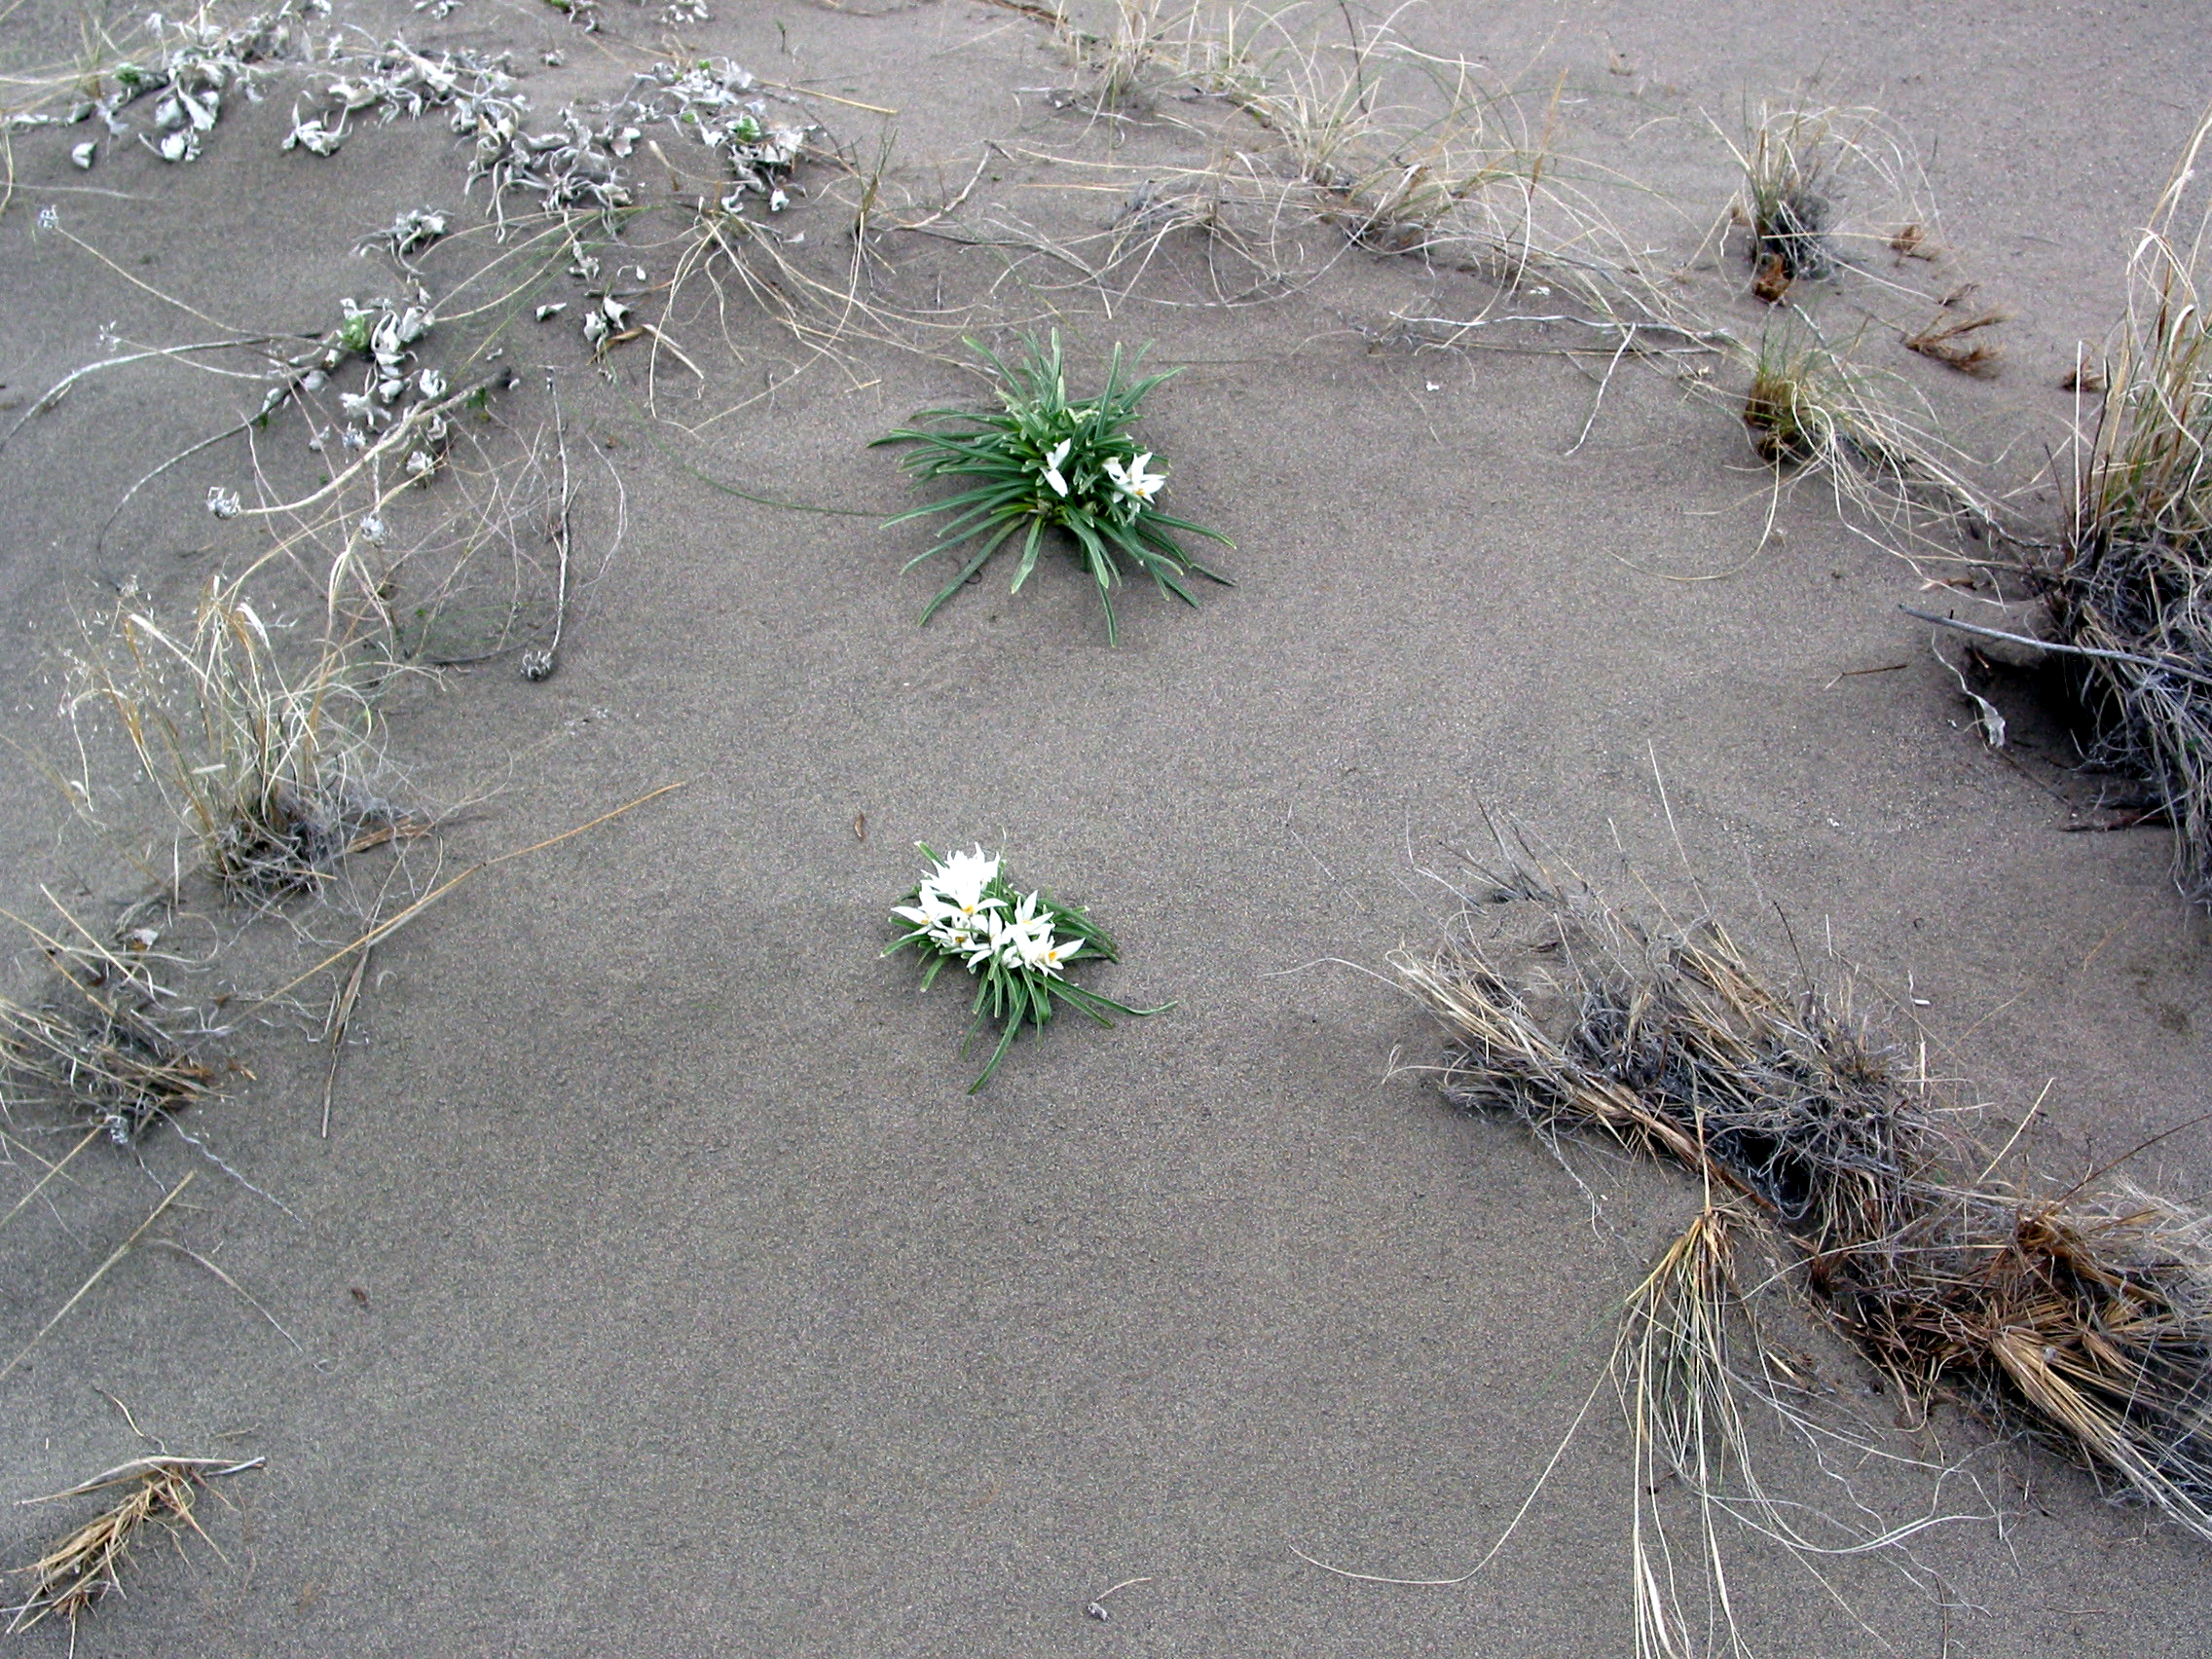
(1017, 945)
(1046, 462)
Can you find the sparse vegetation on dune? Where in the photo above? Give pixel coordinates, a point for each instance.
(1300, 139)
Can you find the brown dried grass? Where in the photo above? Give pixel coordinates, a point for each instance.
(2081, 1315)
(88, 1564)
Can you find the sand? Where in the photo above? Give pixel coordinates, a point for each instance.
(660, 1290)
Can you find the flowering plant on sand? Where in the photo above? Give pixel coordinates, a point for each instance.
(1044, 463)
(1017, 945)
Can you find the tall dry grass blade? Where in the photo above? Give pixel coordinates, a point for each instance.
(272, 766)
(100, 1273)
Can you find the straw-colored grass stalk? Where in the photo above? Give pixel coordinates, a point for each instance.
(88, 1564)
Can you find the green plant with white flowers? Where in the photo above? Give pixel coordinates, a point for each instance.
(1017, 945)
(1044, 463)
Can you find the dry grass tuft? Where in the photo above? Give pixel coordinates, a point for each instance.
(1791, 407)
(109, 1046)
(2082, 1319)
(88, 1564)
(270, 766)
(1332, 132)
(1791, 162)
(2135, 577)
(1825, 188)
(1809, 408)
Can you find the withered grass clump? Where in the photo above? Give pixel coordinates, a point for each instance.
(1811, 409)
(1790, 196)
(2135, 577)
(102, 1049)
(88, 1564)
(1788, 411)
(2083, 1318)
(1809, 406)
(1823, 189)
(1379, 144)
(270, 766)
(100, 1056)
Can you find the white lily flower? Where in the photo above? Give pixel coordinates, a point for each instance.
(1134, 481)
(954, 941)
(966, 872)
(1056, 954)
(1053, 461)
(1021, 940)
(955, 889)
(930, 913)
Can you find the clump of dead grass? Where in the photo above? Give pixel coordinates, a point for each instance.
(1824, 188)
(2080, 1317)
(1790, 196)
(1338, 132)
(2134, 581)
(272, 766)
(1812, 409)
(110, 1046)
(88, 1564)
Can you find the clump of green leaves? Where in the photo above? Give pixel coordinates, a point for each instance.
(1044, 463)
(1017, 945)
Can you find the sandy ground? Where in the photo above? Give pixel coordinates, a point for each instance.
(659, 1290)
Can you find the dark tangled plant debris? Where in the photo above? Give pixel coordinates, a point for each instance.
(2079, 1315)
